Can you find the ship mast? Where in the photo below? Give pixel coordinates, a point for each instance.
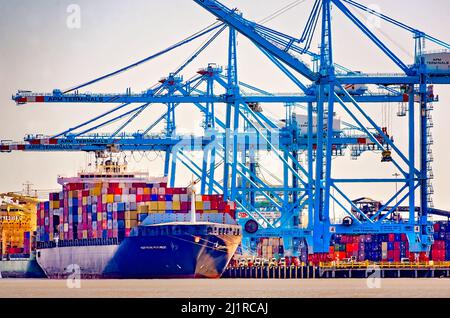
(193, 215)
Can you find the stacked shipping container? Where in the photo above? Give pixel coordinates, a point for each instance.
(440, 251)
(270, 247)
(106, 210)
(370, 247)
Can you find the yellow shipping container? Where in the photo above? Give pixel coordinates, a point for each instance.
(161, 205)
(147, 191)
(199, 205)
(176, 206)
(110, 198)
(133, 215)
(99, 216)
(96, 192)
(85, 234)
(127, 215)
(84, 200)
(143, 209)
(211, 211)
(130, 223)
(153, 206)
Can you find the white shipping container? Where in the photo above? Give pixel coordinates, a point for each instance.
(94, 209)
(169, 205)
(302, 121)
(109, 207)
(184, 198)
(66, 227)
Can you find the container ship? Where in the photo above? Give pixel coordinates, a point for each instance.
(111, 223)
(17, 236)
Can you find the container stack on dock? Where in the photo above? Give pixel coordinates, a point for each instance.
(369, 247)
(105, 210)
(270, 247)
(440, 251)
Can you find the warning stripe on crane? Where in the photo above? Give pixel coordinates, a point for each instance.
(8, 148)
(30, 99)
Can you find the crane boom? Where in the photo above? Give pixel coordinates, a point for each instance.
(247, 28)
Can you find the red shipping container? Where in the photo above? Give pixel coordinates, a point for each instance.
(117, 191)
(349, 247)
(214, 205)
(436, 227)
(139, 198)
(397, 246)
(439, 245)
(423, 257)
(391, 237)
(170, 191)
(146, 197)
(339, 255)
(185, 206)
(113, 185)
(404, 238)
(390, 254)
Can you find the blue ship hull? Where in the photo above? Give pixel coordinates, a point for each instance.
(181, 250)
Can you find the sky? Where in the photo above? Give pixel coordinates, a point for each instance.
(39, 52)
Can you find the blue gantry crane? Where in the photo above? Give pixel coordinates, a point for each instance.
(296, 206)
